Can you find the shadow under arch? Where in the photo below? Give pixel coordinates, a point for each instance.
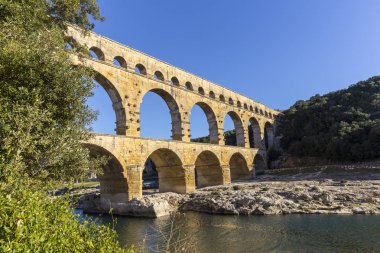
(175, 115)
(208, 170)
(171, 173)
(268, 135)
(113, 183)
(239, 128)
(239, 167)
(259, 164)
(117, 103)
(254, 133)
(211, 120)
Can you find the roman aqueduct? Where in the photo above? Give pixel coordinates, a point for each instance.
(182, 165)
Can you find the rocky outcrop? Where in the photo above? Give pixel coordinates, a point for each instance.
(155, 205)
(254, 198)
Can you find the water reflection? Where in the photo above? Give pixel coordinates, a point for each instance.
(291, 233)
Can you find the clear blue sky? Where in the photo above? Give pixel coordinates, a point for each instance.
(274, 51)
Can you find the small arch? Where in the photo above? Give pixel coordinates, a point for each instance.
(211, 94)
(221, 98)
(120, 62)
(256, 110)
(239, 167)
(266, 114)
(270, 115)
(238, 134)
(171, 174)
(254, 133)
(201, 91)
(71, 43)
(174, 81)
(261, 112)
(140, 69)
(69, 46)
(208, 170)
(189, 86)
(268, 135)
(238, 103)
(158, 76)
(230, 101)
(96, 53)
(245, 106)
(251, 108)
(259, 165)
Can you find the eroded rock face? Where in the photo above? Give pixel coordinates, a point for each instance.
(255, 198)
(155, 205)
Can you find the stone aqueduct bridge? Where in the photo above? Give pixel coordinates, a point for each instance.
(181, 165)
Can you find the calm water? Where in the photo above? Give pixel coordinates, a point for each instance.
(290, 233)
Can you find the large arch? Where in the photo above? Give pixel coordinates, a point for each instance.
(174, 112)
(259, 164)
(117, 103)
(113, 183)
(171, 173)
(239, 167)
(239, 129)
(208, 170)
(268, 135)
(211, 120)
(254, 133)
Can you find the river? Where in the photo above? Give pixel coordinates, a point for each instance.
(219, 233)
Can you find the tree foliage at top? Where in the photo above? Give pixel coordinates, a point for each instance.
(43, 114)
(341, 125)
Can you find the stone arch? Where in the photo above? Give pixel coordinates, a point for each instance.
(174, 112)
(113, 183)
(117, 103)
(231, 101)
(261, 112)
(120, 62)
(221, 98)
(239, 167)
(245, 106)
(208, 170)
(97, 53)
(171, 173)
(239, 129)
(259, 164)
(251, 108)
(201, 91)
(256, 110)
(254, 133)
(268, 135)
(140, 69)
(211, 94)
(158, 76)
(174, 81)
(211, 120)
(189, 86)
(238, 103)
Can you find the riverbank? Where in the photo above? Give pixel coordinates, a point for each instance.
(280, 192)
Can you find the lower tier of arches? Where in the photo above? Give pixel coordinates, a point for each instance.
(179, 167)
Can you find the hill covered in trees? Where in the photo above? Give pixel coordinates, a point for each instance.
(339, 126)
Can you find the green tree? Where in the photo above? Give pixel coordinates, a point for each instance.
(43, 122)
(341, 125)
(43, 114)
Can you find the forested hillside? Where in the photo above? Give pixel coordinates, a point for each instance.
(341, 125)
